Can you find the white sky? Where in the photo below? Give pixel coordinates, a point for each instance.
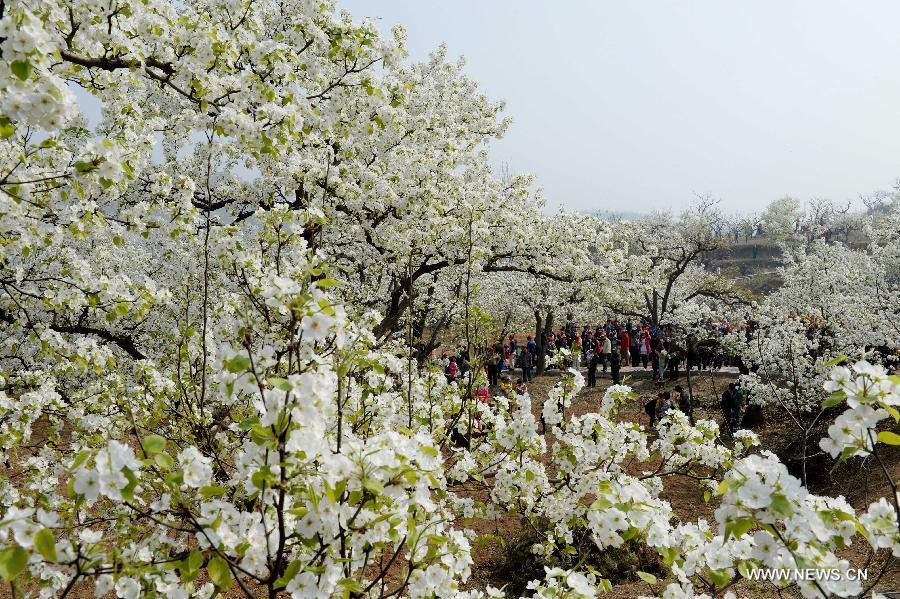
(638, 105)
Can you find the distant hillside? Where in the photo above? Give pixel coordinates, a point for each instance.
(753, 262)
(614, 216)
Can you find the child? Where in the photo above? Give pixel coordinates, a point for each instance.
(663, 406)
(650, 409)
(483, 395)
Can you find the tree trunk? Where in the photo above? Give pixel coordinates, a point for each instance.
(540, 338)
(691, 347)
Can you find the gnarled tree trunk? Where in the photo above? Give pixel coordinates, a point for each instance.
(542, 329)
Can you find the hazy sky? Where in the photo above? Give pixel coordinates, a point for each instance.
(639, 105)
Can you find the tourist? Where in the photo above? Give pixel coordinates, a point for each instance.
(645, 348)
(615, 364)
(684, 403)
(605, 349)
(526, 363)
(663, 406)
(674, 360)
(737, 401)
(727, 406)
(521, 388)
(576, 353)
(493, 367)
(452, 370)
(624, 345)
(650, 408)
(593, 362)
(635, 349)
(662, 361)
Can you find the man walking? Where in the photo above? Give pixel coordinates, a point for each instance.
(737, 404)
(605, 349)
(526, 363)
(624, 346)
(727, 406)
(593, 361)
(615, 364)
(684, 403)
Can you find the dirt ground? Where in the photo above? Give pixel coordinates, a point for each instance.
(859, 484)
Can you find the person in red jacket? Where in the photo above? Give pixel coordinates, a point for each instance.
(624, 346)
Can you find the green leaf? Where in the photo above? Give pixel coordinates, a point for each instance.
(194, 560)
(21, 69)
(321, 283)
(845, 455)
(12, 561)
(80, 459)
(7, 129)
(45, 543)
(738, 527)
(669, 554)
(889, 438)
(834, 362)
(723, 486)
(261, 478)
(373, 485)
(261, 434)
(833, 400)
(237, 364)
(247, 423)
(219, 573)
(128, 490)
(601, 504)
(154, 444)
(164, 460)
(781, 505)
(719, 577)
(893, 412)
(212, 491)
(351, 585)
(646, 577)
(630, 533)
(279, 383)
(289, 574)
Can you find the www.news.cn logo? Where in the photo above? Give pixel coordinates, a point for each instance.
(807, 574)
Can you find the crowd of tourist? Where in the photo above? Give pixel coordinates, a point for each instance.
(604, 347)
(610, 347)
